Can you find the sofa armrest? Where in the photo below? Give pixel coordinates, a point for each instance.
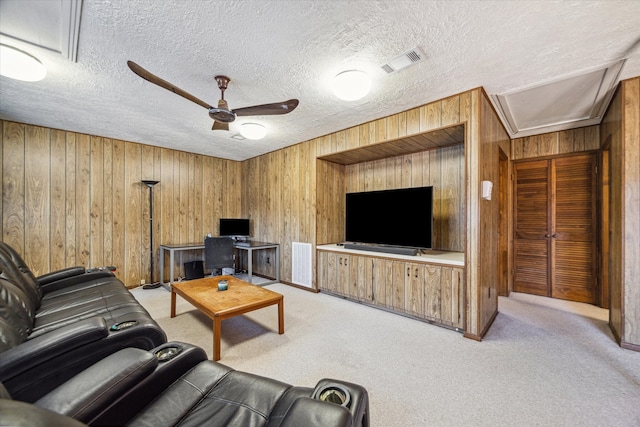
(175, 359)
(96, 388)
(20, 414)
(357, 398)
(310, 412)
(19, 359)
(60, 274)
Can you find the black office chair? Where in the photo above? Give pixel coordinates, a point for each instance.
(218, 254)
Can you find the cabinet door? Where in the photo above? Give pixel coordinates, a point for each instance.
(379, 281)
(342, 268)
(433, 292)
(354, 276)
(389, 272)
(323, 271)
(457, 298)
(400, 273)
(414, 289)
(366, 278)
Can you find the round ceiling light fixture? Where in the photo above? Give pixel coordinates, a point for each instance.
(19, 65)
(351, 85)
(253, 130)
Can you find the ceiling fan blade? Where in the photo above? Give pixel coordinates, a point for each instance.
(220, 126)
(165, 84)
(268, 109)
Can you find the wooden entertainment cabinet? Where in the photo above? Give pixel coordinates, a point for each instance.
(428, 287)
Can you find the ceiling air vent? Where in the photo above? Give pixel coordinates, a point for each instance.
(400, 62)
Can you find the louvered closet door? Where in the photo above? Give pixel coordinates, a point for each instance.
(573, 242)
(555, 224)
(531, 225)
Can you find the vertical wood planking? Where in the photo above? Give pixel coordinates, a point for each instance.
(70, 202)
(134, 247)
(118, 208)
(556, 143)
(36, 197)
(83, 199)
(57, 206)
(80, 198)
(107, 204)
(96, 186)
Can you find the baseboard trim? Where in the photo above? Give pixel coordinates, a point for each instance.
(630, 346)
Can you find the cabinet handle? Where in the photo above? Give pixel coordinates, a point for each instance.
(408, 271)
(555, 235)
(340, 261)
(416, 272)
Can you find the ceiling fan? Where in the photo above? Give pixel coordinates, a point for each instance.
(221, 114)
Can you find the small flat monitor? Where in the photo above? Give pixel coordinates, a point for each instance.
(234, 227)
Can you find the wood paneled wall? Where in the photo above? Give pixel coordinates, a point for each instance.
(279, 198)
(556, 143)
(81, 195)
(621, 130)
(73, 199)
(291, 188)
(442, 168)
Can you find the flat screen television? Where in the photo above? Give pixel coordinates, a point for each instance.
(399, 217)
(234, 227)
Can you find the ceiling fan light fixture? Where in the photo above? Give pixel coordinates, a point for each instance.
(351, 85)
(253, 130)
(19, 65)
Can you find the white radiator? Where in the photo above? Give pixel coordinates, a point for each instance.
(301, 264)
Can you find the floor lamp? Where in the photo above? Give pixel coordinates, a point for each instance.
(152, 285)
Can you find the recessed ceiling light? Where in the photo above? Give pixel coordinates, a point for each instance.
(19, 65)
(351, 85)
(253, 130)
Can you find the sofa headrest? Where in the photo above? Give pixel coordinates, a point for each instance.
(13, 268)
(16, 313)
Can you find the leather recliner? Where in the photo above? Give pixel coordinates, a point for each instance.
(174, 385)
(54, 326)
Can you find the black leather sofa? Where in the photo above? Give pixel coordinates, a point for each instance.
(54, 326)
(76, 348)
(174, 385)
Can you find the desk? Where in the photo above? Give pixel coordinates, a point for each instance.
(256, 246)
(243, 246)
(172, 249)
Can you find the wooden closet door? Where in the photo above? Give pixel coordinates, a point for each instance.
(555, 227)
(531, 227)
(574, 229)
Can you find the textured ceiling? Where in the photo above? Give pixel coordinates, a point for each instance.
(276, 50)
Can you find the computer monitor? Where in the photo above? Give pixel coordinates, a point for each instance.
(237, 228)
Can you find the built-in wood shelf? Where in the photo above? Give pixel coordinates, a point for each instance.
(433, 139)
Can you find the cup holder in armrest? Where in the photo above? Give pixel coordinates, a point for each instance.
(123, 325)
(333, 393)
(167, 353)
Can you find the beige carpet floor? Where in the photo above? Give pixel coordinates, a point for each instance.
(544, 362)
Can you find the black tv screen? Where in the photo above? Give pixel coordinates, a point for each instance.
(234, 227)
(400, 217)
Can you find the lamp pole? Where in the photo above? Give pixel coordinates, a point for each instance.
(152, 285)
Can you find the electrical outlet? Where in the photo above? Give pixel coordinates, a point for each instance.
(142, 281)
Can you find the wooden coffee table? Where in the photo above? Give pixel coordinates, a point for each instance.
(241, 297)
